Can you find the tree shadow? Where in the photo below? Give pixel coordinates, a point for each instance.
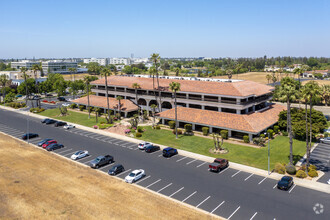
(295, 158)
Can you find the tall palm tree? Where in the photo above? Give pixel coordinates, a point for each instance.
(229, 73)
(23, 70)
(119, 104)
(288, 93)
(35, 68)
(73, 71)
(106, 72)
(268, 77)
(3, 82)
(153, 109)
(87, 80)
(238, 68)
(177, 71)
(155, 58)
(326, 94)
(175, 87)
(136, 86)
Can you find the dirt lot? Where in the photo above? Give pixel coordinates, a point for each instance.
(36, 184)
(76, 76)
(259, 77)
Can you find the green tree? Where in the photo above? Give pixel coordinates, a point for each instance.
(106, 72)
(60, 85)
(35, 68)
(23, 70)
(229, 74)
(3, 82)
(325, 94)
(268, 77)
(175, 87)
(288, 93)
(93, 68)
(87, 80)
(73, 71)
(10, 97)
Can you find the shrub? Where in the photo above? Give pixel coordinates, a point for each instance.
(73, 105)
(290, 169)
(140, 129)
(37, 110)
(279, 168)
(326, 134)
(270, 132)
(205, 131)
(188, 127)
(246, 139)
(262, 135)
(138, 134)
(284, 133)
(179, 131)
(81, 107)
(158, 127)
(171, 124)
(224, 134)
(312, 167)
(312, 173)
(276, 129)
(301, 174)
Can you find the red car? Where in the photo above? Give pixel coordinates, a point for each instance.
(49, 143)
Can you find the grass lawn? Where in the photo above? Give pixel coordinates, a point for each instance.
(74, 117)
(279, 148)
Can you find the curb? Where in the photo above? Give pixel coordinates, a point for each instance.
(322, 187)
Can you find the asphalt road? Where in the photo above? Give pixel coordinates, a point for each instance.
(320, 157)
(232, 194)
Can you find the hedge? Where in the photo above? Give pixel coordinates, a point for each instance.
(276, 129)
(138, 134)
(188, 127)
(301, 174)
(224, 134)
(81, 107)
(171, 124)
(312, 173)
(246, 139)
(205, 131)
(290, 169)
(279, 168)
(158, 127)
(270, 132)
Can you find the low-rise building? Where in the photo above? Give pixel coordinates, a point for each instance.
(24, 63)
(100, 61)
(58, 66)
(125, 61)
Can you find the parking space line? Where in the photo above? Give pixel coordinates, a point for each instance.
(217, 207)
(136, 148)
(223, 171)
(176, 192)
(253, 215)
(154, 152)
(124, 172)
(127, 143)
(80, 159)
(248, 177)
(164, 187)
(235, 173)
(191, 162)
(106, 166)
(294, 185)
(189, 196)
(274, 186)
(63, 151)
(201, 164)
(139, 181)
(87, 162)
(118, 142)
(153, 183)
(160, 155)
(69, 153)
(181, 159)
(234, 212)
(202, 202)
(262, 180)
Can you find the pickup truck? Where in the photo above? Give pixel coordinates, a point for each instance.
(218, 164)
(101, 160)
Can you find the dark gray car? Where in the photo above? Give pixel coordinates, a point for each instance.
(100, 161)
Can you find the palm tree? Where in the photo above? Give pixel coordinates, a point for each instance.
(35, 68)
(119, 105)
(136, 86)
(87, 80)
(23, 70)
(175, 87)
(106, 72)
(238, 68)
(155, 59)
(177, 71)
(326, 94)
(153, 109)
(3, 82)
(72, 70)
(288, 93)
(268, 77)
(229, 73)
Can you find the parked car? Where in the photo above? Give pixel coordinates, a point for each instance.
(68, 126)
(66, 104)
(62, 99)
(35, 97)
(169, 152)
(218, 164)
(116, 169)
(49, 95)
(134, 176)
(44, 120)
(285, 183)
(325, 140)
(101, 160)
(79, 154)
(152, 148)
(46, 144)
(18, 96)
(60, 123)
(43, 141)
(29, 136)
(50, 121)
(54, 147)
(144, 145)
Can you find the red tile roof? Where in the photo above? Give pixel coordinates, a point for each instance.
(101, 102)
(252, 123)
(239, 88)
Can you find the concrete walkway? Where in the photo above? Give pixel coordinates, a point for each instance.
(311, 184)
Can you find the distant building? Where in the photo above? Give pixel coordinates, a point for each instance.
(14, 75)
(125, 61)
(58, 66)
(24, 63)
(310, 74)
(100, 61)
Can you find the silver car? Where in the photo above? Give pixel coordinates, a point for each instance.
(325, 140)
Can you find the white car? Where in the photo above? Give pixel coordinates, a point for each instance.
(134, 176)
(79, 154)
(68, 126)
(144, 145)
(66, 104)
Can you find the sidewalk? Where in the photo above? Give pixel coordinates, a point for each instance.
(311, 184)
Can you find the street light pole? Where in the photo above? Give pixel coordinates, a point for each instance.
(268, 154)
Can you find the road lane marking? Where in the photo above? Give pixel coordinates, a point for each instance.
(181, 159)
(176, 192)
(164, 187)
(139, 181)
(153, 183)
(275, 186)
(217, 207)
(189, 196)
(248, 177)
(63, 151)
(253, 215)
(223, 171)
(191, 162)
(202, 202)
(236, 173)
(294, 185)
(124, 172)
(262, 180)
(234, 212)
(160, 155)
(201, 164)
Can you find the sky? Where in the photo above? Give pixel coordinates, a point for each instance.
(180, 28)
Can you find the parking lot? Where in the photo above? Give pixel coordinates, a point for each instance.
(320, 157)
(227, 194)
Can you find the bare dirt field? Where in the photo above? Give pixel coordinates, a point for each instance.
(36, 184)
(320, 82)
(259, 77)
(76, 76)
